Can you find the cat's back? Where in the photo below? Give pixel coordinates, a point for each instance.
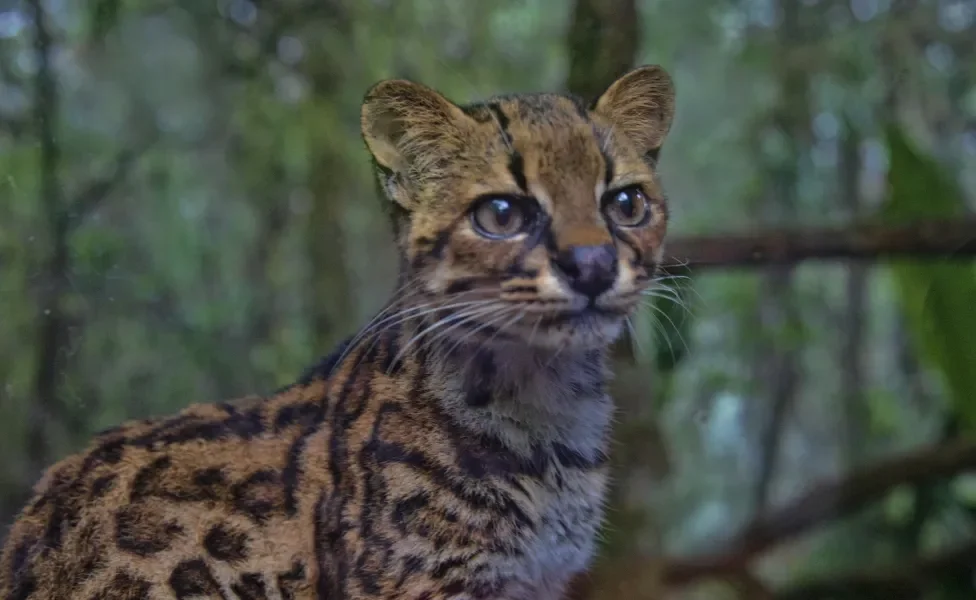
(166, 503)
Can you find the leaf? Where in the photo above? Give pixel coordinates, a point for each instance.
(899, 505)
(883, 417)
(938, 298)
(964, 490)
(103, 17)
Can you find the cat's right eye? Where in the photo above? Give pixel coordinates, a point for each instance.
(499, 217)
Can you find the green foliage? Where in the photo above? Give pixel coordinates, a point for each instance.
(103, 16)
(964, 490)
(939, 300)
(882, 412)
(899, 505)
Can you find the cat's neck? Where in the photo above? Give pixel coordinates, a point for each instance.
(525, 396)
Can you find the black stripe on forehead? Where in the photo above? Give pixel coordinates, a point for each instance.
(607, 168)
(502, 119)
(600, 136)
(516, 164)
(478, 111)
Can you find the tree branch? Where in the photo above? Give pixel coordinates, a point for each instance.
(52, 322)
(903, 582)
(98, 189)
(955, 238)
(48, 413)
(824, 502)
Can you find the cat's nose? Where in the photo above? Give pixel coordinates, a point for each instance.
(591, 270)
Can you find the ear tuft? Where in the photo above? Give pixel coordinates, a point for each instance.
(402, 120)
(640, 104)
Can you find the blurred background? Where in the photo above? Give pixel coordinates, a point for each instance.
(187, 214)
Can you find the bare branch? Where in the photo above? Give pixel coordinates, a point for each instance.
(954, 239)
(749, 586)
(903, 582)
(824, 502)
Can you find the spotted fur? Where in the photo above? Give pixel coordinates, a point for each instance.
(455, 448)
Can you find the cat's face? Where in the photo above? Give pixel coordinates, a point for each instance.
(532, 218)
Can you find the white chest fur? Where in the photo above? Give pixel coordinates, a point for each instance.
(563, 543)
(560, 408)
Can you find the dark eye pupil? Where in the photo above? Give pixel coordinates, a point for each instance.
(625, 204)
(503, 212)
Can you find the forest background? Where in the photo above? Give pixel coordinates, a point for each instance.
(187, 214)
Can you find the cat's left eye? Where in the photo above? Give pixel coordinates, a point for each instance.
(499, 217)
(627, 207)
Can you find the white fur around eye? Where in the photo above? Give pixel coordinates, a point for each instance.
(598, 191)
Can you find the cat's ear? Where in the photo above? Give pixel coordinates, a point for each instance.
(640, 104)
(405, 122)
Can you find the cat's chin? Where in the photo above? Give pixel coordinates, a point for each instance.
(579, 331)
(584, 335)
(583, 330)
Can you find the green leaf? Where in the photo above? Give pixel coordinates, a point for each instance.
(938, 298)
(103, 17)
(964, 490)
(899, 505)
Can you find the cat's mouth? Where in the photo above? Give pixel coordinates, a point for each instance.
(590, 313)
(586, 326)
(562, 323)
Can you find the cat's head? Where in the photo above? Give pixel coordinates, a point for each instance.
(530, 218)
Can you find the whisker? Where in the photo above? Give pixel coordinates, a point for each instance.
(504, 312)
(375, 323)
(556, 353)
(372, 324)
(672, 277)
(683, 278)
(680, 265)
(685, 287)
(515, 319)
(412, 312)
(519, 314)
(633, 334)
(538, 321)
(421, 315)
(668, 298)
(673, 325)
(663, 294)
(658, 327)
(654, 298)
(469, 316)
(437, 324)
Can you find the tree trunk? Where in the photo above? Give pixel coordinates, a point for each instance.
(855, 427)
(329, 286)
(777, 365)
(46, 409)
